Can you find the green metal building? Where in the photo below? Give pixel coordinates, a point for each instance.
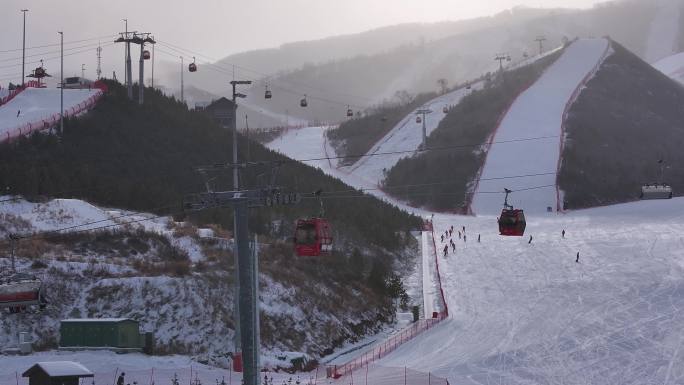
(119, 334)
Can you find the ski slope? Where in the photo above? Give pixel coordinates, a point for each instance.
(536, 113)
(664, 31)
(672, 66)
(36, 104)
(406, 135)
(528, 314)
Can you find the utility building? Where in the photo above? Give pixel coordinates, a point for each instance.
(118, 334)
(57, 373)
(222, 111)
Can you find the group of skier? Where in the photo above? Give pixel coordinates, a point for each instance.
(448, 236)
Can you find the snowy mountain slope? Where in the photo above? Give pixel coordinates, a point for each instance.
(672, 66)
(405, 136)
(35, 104)
(536, 113)
(663, 36)
(527, 313)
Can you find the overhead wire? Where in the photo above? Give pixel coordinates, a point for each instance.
(55, 57)
(263, 75)
(58, 44)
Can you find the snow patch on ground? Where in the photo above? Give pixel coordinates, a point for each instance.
(672, 66)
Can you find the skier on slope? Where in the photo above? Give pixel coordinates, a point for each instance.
(442, 237)
(530, 241)
(478, 238)
(453, 245)
(577, 260)
(459, 235)
(121, 380)
(446, 250)
(563, 233)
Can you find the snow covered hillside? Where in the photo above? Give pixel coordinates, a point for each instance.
(663, 36)
(405, 136)
(672, 66)
(537, 113)
(35, 104)
(178, 284)
(524, 313)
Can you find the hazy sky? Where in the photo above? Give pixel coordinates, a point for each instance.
(217, 28)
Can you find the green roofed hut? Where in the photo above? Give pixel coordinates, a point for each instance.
(117, 334)
(56, 373)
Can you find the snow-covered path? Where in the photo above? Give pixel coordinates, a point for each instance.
(35, 104)
(528, 314)
(406, 136)
(536, 113)
(662, 38)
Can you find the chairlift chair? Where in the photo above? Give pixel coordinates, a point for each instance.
(192, 67)
(303, 102)
(445, 109)
(268, 94)
(146, 55)
(350, 113)
(419, 120)
(658, 190)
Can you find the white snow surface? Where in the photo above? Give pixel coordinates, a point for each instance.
(664, 32)
(57, 214)
(64, 368)
(528, 314)
(536, 113)
(35, 104)
(672, 66)
(407, 135)
(140, 368)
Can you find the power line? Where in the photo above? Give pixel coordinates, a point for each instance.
(93, 45)
(57, 44)
(441, 148)
(55, 57)
(265, 76)
(223, 71)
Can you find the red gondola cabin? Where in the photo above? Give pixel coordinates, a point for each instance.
(512, 222)
(312, 237)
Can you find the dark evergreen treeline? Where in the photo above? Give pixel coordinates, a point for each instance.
(447, 173)
(143, 158)
(629, 117)
(357, 136)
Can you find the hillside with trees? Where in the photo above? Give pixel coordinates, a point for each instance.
(439, 179)
(142, 158)
(628, 118)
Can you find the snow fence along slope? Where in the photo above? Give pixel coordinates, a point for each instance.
(536, 113)
(35, 105)
(407, 135)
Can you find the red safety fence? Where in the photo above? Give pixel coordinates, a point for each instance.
(384, 375)
(52, 120)
(392, 343)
